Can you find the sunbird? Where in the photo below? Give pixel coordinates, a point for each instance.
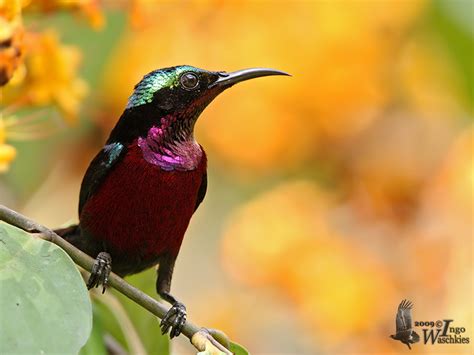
(140, 191)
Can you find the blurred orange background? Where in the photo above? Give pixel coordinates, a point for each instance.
(333, 194)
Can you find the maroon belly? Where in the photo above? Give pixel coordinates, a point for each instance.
(141, 210)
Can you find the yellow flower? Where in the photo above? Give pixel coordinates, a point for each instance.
(7, 152)
(11, 10)
(11, 39)
(51, 76)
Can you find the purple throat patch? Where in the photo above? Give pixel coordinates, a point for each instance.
(170, 150)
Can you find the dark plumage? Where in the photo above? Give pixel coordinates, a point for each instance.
(404, 330)
(140, 191)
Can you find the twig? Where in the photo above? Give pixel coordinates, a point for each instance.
(190, 330)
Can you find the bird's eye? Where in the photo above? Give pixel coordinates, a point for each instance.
(189, 81)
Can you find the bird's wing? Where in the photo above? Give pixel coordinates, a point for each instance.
(202, 191)
(98, 169)
(403, 320)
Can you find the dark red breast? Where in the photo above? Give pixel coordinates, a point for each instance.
(141, 209)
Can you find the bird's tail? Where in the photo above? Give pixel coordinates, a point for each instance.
(73, 234)
(416, 337)
(68, 232)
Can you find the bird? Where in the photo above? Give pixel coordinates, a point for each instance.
(404, 330)
(140, 191)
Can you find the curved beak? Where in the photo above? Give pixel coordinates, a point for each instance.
(229, 79)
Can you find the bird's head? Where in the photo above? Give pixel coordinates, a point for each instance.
(173, 98)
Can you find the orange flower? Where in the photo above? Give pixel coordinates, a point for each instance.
(10, 10)
(11, 39)
(51, 76)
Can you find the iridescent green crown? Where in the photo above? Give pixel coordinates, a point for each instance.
(155, 81)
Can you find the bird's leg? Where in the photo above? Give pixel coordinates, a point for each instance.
(100, 271)
(175, 318)
(103, 263)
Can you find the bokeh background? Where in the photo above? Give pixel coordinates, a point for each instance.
(333, 194)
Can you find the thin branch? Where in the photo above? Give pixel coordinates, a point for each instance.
(193, 332)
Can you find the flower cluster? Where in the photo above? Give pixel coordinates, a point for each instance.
(36, 69)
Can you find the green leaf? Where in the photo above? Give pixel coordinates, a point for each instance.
(44, 304)
(238, 349)
(95, 345)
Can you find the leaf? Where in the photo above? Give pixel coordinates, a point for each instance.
(215, 342)
(95, 344)
(238, 349)
(44, 304)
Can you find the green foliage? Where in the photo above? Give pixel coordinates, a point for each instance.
(44, 304)
(238, 349)
(452, 22)
(95, 345)
(107, 319)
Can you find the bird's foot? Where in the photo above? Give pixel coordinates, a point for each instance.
(100, 271)
(174, 318)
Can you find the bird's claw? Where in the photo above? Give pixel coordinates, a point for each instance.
(100, 271)
(175, 319)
